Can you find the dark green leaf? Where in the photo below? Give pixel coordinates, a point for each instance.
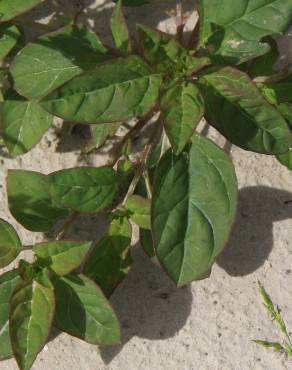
(139, 209)
(264, 65)
(62, 256)
(233, 30)
(120, 30)
(158, 151)
(11, 8)
(182, 108)
(10, 245)
(30, 201)
(110, 261)
(9, 34)
(114, 91)
(84, 189)
(194, 201)
(147, 244)
(24, 122)
(84, 312)
(32, 308)
(8, 282)
(54, 59)
(239, 111)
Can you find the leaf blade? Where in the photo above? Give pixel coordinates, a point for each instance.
(10, 244)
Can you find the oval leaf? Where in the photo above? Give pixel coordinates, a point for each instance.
(84, 189)
(193, 208)
(120, 30)
(10, 245)
(24, 122)
(32, 308)
(54, 59)
(115, 91)
(8, 282)
(30, 201)
(182, 108)
(239, 111)
(110, 261)
(233, 30)
(62, 256)
(9, 34)
(83, 311)
(10, 9)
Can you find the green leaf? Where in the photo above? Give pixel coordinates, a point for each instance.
(182, 108)
(232, 30)
(239, 111)
(24, 122)
(84, 189)
(114, 91)
(54, 59)
(279, 92)
(101, 132)
(275, 345)
(158, 151)
(8, 282)
(84, 312)
(110, 260)
(193, 208)
(10, 244)
(264, 65)
(10, 9)
(9, 34)
(139, 209)
(286, 159)
(120, 30)
(286, 110)
(32, 308)
(30, 201)
(62, 256)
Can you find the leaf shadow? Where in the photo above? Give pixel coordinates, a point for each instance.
(148, 305)
(251, 240)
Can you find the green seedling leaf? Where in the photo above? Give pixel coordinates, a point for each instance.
(10, 244)
(54, 59)
(120, 30)
(84, 189)
(192, 213)
(28, 271)
(110, 260)
(9, 35)
(24, 122)
(158, 151)
(84, 312)
(113, 92)
(275, 345)
(101, 132)
(10, 9)
(139, 209)
(239, 111)
(233, 31)
(182, 108)
(264, 65)
(125, 166)
(62, 256)
(8, 281)
(30, 201)
(32, 308)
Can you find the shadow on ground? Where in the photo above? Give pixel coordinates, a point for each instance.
(251, 239)
(148, 305)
